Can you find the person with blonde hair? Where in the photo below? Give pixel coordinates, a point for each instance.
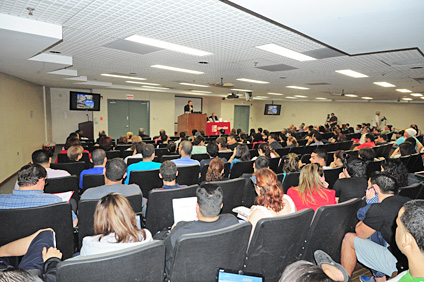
(115, 227)
(291, 163)
(129, 136)
(74, 153)
(216, 170)
(312, 191)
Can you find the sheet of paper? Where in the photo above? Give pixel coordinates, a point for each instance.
(65, 196)
(184, 209)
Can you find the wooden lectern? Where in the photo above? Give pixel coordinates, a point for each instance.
(188, 122)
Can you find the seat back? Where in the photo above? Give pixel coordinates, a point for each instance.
(86, 209)
(113, 154)
(309, 149)
(241, 167)
(227, 168)
(126, 153)
(373, 166)
(297, 150)
(197, 256)
(92, 180)
(142, 263)
(146, 180)
(415, 163)
(74, 168)
(273, 164)
(249, 193)
(159, 152)
(188, 175)
(346, 145)
(291, 180)
(414, 191)
(233, 193)
(283, 151)
(170, 157)
(331, 175)
(329, 225)
(63, 158)
(19, 223)
(160, 213)
(226, 155)
(253, 153)
(199, 157)
(276, 243)
(131, 161)
(331, 147)
(63, 184)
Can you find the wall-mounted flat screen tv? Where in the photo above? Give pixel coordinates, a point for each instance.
(272, 110)
(81, 101)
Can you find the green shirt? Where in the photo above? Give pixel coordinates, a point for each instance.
(407, 278)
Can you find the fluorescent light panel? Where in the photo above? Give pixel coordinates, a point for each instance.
(367, 98)
(272, 93)
(276, 49)
(242, 90)
(297, 87)
(352, 73)
(403, 90)
(144, 83)
(351, 95)
(167, 45)
(153, 87)
(407, 99)
(320, 98)
(288, 97)
(123, 76)
(384, 84)
(252, 80)
(416, 94)
(176, 69)
(300, 96)
(200, 91)
(262, 97)
(192, 84)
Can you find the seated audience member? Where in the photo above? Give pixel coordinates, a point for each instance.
(241, 154)
(358, 128)
(364, 132)
(138, 152)
(129, 136)
(159, 138)
(171, 148)
(315, 140)
(74, 153)
(164, 138)
(291, 163)
(115, 171)
(212, 150)
(312, 191)
(369, 142)
(106, 143)
(199, 146)
(123, 140)
(168, 172)
(415, 127)
(379, 217)
(410, 133)
(215, 170)
(185, 151)
(135, 140)
(354, 183)
(272, 140)
(367, 154)
(387, 130)
(244, 138)
(257, 138)
(31, 182)
(142, 133)
(182, 138)
(319, 156)
(381, 139)
(115, 227)
(208, 207)
(271, 200)
(71, 141)
(399, 138)
(266, 151)
(99, 160)
(102, 133)
(291, 142)
(397, 170)
(410, 239)
(231, 142)
(146, 164)
(30, 257)
(337, 159)
(405, 149)
(222, 145)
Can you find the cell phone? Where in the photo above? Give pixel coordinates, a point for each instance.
(227, 275)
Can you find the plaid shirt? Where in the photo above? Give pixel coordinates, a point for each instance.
(28, 198)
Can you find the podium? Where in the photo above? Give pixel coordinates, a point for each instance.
(188, 122)
(87, 127)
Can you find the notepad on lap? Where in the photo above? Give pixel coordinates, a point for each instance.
(65, 196)
(184, 209)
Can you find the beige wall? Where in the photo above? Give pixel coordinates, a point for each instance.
(21, 122)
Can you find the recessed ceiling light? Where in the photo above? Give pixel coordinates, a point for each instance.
(272, 93)
(407, 99)
(300, 96)
(176, 69)
(144, 83)
(320, 98)
(384, 84)
(403, 90)
(192, 84)
(262, 97)
(200, 91)
(289, 97)
(351, 95)
(276, 49)
(351, 73)
(123, 76)
(367, 98)
(252, 80)
(242, 90)
(297, 87)
(416, 94)
(167, 45)
(153, 87)
(422, 97)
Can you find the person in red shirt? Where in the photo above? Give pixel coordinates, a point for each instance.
(369, 142)
(312, 191)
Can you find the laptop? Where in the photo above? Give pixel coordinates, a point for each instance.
(228, 275)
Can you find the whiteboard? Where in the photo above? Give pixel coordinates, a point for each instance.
(181, 101)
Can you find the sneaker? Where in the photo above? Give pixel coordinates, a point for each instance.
(364, 278)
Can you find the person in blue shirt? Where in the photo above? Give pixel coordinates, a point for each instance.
(99, 160)
(146, 164)
(168, 173)
(185, 151)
